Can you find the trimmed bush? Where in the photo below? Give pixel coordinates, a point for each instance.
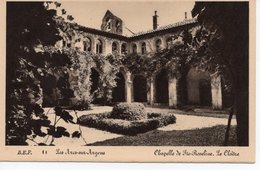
(104, 121)
(129, 111)
(153, 115)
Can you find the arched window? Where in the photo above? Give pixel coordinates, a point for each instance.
(143, 48)
(114, 47)
(118, 26)
(134, 48)
(169, 42)
(87, 44)
(123, 49)
(108, 21)
(158, 44)
(99, 47)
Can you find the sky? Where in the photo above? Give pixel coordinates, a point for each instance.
(137, 16)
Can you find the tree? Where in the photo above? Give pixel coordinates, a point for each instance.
(223, 45)
(31, 27)
(36, 65)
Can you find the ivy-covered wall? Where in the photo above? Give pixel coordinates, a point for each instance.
(174, 55)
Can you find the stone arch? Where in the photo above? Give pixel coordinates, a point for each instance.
(198, 87)
(143, 48)
(100, 46)
(88, 44)
(119, 92)
(123, 48)
(168, 41)
(162, 87)
(158, 44)
(205, 92)
(134, 48)
(140, 88)
(94, 78)
(115, 47)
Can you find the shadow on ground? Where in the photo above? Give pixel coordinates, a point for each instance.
(191, 110)
(213, 136)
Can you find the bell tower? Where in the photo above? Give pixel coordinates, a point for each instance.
(111, 23)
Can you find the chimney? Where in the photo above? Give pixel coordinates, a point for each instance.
(155, 24)
(185, 15)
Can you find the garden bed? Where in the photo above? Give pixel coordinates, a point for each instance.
(107, 122)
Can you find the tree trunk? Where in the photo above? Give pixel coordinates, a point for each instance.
(242, 117)
(231, 112)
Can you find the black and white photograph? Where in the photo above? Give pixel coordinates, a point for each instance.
(129, 73)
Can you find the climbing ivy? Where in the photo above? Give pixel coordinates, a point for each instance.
(172, 59)
(108, 66)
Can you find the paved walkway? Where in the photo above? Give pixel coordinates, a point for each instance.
(91, 135)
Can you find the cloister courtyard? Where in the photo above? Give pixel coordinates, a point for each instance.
(178, 83)
(193, 127)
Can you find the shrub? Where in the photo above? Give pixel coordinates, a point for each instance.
(129, 111)
(153, 115)
(104, 121)
(81, 105)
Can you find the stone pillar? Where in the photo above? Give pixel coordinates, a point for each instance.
(150, 95)
(129, 48)
(128, 87)
(164, 44)
(172, 83)
(139, 47)
(118, 48)
(107, 47)
(216, 92)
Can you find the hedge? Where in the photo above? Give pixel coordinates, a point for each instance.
(103, 121)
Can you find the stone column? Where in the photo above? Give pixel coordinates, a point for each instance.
(128, 87)
(138, 47)
(164, 45)
(172, 83)
(119, 48)
(107, 47)
(150, 94)
(216, 92)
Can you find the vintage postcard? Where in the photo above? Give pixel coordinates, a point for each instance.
(128, 81)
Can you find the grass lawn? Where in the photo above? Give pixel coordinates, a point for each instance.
(191, 111)
(213, 136)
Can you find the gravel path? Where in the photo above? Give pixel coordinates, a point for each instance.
(91, 135)
(188, 122)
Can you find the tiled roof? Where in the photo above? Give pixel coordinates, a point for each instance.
(185, 22)
(124, 37)
(100, 32)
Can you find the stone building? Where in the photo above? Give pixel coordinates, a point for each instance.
(202, 88)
